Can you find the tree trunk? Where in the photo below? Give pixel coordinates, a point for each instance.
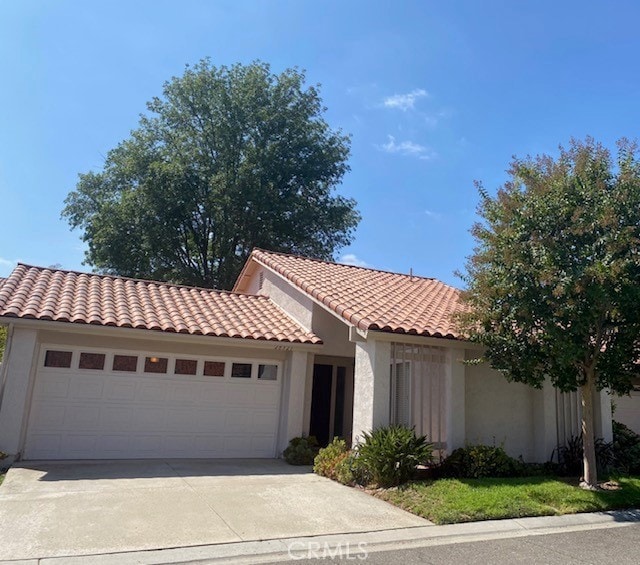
(590, 474)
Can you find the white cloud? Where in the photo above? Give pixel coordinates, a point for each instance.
(431, 121)
(408, 148)
(352, 259)
(405, 102)
(433, 215)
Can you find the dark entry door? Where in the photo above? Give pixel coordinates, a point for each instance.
(319, 425)
(328, 407)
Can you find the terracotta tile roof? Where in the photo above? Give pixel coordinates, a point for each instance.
(81, 298)
(372, 299)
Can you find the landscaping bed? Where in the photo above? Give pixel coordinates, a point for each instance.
(476, 482)
(448, 501)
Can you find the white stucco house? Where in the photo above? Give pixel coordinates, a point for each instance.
(104, 367)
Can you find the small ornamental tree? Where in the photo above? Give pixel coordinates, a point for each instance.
(553, 284)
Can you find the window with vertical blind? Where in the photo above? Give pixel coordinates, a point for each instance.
(401, 393)
(418, 392)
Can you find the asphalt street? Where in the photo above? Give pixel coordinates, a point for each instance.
(619, 545)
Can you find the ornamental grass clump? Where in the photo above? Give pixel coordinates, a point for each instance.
(389, 456)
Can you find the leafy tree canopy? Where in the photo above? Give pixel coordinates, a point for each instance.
(553, 285)
(230, 158)
(554, 282)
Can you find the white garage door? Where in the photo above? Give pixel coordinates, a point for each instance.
(92, 404)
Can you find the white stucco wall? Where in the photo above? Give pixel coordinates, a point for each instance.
(296, 304)
(627, 410)
(371, 387)
(455, 399)
(499, 412)
(334, 333)
(19, 373)
(292, 422)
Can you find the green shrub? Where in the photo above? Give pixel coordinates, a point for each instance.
(329, 457)
(546, 469)
(479, 461)
(301, 451)
(626, 449)
(570, 456)
(347, 470)
(389, 456)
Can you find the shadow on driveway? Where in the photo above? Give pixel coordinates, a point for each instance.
(158, 468)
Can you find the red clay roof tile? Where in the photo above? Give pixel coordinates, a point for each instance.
(372, 299)
(81, 298)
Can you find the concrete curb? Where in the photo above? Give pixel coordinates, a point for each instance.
(292, 549)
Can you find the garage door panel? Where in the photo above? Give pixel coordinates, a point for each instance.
(119, 389)
(237, 445)
(115, 418)
(89, 414)
(114, 444)
(211, 419)
(51, 415)
(267, 396)
(86, 388)
(53, 387)
(81, 417)
(210, 444)
(78, 445)
(209, 393)
(262, 420)
(237, 420)
(150, 392)
(186, 393)
(148, 419)
(260, 446)
(146, 445)
(46, 446)
(181, 420)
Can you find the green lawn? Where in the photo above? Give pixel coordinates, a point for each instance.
(448, 501)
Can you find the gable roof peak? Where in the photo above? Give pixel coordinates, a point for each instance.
(366, 298)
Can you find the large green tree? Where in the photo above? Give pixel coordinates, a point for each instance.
(228, 159)
(553, 285)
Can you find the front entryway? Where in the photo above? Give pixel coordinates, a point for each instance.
(332, 399)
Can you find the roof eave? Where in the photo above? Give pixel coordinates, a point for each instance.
(143, 333)
(438, 341)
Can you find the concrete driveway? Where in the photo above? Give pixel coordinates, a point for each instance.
(53, 509)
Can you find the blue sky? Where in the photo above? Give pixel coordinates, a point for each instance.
(435, 95)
